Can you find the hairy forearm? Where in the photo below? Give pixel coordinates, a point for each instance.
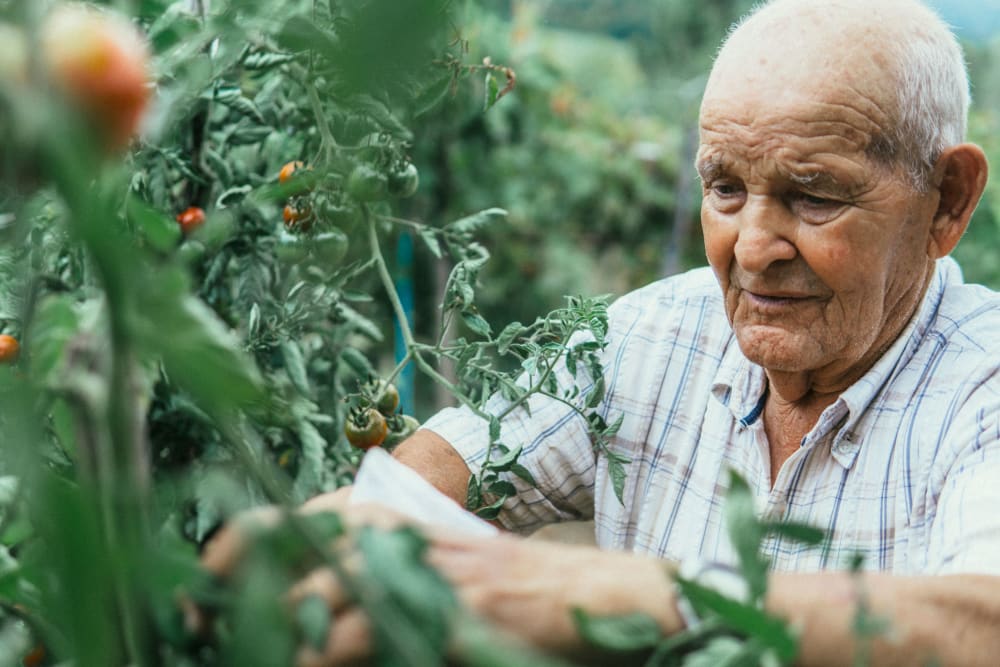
(947, 620)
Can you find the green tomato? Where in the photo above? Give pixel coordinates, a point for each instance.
(328, 248)
(290, 249)
(404, 183)
(366, 184)
(401, 427)
(345, 216)
(192, 253)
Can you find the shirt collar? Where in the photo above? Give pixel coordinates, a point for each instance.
(741, 385)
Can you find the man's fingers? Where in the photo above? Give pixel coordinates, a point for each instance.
(224, 551)
(321, 582)
(348, 643)
(334, 501)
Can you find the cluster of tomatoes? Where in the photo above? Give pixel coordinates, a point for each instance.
(374, 421)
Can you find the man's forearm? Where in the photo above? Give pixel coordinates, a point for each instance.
(947, 620)
(437, 462)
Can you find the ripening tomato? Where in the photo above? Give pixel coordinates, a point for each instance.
(299, 219)
(365, 428)
(191, 219)
(35, 657)
(100, 61)
(287, 171)
(10, 349)
(388, 398)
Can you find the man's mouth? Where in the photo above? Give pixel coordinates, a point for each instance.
(776, 299)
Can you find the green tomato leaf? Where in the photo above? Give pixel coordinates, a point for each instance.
(523, 473)
(492, 91)
(53, 326)
(473, 495)
(313, 617)
(502, 488)
(494, 429)
(295, 366)
(429, 237)
(799, 532)
(491, 511)
(431, 95)
(160, 231)
(476, 323)
(616, 470)
(508, 336)
(746, 533)
(746, 619)
(504, 463)
(628, 632)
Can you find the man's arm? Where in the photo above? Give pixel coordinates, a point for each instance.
(427, 453)
(946, 620)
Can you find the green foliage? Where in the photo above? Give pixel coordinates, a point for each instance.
(172, 376)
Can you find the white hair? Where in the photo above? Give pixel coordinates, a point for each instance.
(929, 110)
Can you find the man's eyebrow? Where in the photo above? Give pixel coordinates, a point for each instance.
(709, 168)
(820, 179)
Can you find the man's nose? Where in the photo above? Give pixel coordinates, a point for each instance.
(766, 235)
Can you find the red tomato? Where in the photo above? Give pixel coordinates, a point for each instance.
(191, 219)
(297, 218)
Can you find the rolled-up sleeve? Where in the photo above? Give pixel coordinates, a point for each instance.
(557, 452)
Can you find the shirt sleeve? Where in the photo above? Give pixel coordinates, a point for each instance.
(557, 452)
(965, 534)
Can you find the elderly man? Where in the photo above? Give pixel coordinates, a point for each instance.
(843, 369)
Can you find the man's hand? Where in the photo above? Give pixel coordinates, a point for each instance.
(527, 589)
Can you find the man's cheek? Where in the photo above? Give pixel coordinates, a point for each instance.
(719, 247)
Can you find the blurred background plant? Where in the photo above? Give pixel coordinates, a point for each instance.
(186, 322)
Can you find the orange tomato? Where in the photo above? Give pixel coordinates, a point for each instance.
(10, 349)
(287, 171)
(99, 61)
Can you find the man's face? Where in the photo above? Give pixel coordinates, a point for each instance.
(822, 254)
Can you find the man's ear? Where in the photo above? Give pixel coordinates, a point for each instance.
(960, 177)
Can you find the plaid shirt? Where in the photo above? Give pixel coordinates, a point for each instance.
(903, 469)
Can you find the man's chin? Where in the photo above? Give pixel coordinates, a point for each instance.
(776, 349)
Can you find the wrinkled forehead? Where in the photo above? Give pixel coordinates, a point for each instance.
(804, 53)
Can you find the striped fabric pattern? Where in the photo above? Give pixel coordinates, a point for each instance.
(903, 469)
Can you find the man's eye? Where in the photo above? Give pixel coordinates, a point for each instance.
(725, 189)
(813, 200)
(814, 208)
